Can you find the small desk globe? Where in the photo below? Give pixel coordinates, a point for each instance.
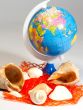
(52, 31)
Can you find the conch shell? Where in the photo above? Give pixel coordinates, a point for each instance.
(67, 74)
(11, 78)
(39, 93)
(38, 96)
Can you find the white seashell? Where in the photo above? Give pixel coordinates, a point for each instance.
(39, 93)
(14, 93)
(42, 86)
(60, 93)
(38, 96)
(1, 95)
(35, 72)
(67, 74)
(25, 75)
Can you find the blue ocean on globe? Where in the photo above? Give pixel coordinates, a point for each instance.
(52, 31)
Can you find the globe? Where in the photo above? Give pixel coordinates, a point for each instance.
(52, 31)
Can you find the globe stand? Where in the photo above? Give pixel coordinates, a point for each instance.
(49, 59)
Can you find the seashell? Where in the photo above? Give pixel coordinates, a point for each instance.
(16, 94)
(60, 93)
(11, 78)
(25, 75)
(42, 86)
(34, 72)
(39, 93)
(38, 96)
(67, 74)
(1, 95)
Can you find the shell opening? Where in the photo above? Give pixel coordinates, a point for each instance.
(13, 74)
(69, 77)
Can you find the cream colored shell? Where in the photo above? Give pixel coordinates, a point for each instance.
(38, 96)
(39, 93)
(60, 93)
(11, 78)
(67, 74)
(35, 72)
(42, 86)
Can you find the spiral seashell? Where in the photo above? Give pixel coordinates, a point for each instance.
(38, 96)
